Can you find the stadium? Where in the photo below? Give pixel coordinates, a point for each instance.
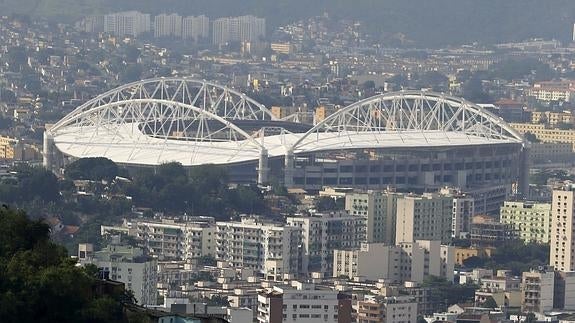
(411, 140)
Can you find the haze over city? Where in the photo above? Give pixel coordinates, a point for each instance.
(287, 161)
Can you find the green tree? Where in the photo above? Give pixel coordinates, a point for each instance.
(489, 303)
(96, 169)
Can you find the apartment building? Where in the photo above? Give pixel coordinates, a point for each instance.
(239, 29)
(562, 256)
(379, 208)
(269, 248)
(408, 261)
(168, 25)
(128, 23)
(302, 302)
(171, 240)
(324, 233)
(531, 221)
(393, 309)
(125, 264)
(537, 290)
(424, 217)
(196, 28)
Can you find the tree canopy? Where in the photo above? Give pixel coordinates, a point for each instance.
(96, 169)
(40, 283)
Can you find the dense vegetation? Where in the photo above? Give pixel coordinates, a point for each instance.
(515, 256)
(445, 293)
(40, 283)
(428, 23)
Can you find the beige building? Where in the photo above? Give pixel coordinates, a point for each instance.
(425, 217)
(545, 133)
(7, 146)
(550, 152)
(462, 254)
(553, 118)
(553, 91)
(379, 208)
(409, 261)
(537, 289)
(562, 234)
(531, 221)
(392, 309)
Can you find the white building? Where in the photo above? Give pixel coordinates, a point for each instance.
(303, 303)
(128, 23)
(463, 212)
(196, 27)
(125, 264)
(324, 233)
(168, 25)
(272, 249)
(241, 29)
(408, 261)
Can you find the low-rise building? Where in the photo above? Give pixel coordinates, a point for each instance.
(408, 261)
(303, 303)
(393, 309)
(537, 291)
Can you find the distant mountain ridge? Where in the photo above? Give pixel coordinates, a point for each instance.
(427, 22)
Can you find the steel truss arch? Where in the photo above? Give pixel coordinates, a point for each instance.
(162, 126)
(432, 116)
(217, 99)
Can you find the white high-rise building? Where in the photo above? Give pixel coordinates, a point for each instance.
(125, 264)
(272, 249)
(323, 233)
(562, 256)
(168, 25)
(196, 28)
(128, 23)
(242, 29)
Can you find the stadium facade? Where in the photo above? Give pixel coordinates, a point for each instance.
(411, 140)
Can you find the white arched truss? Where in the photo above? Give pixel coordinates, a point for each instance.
(142, 131)
(413, 118)
(219, 100)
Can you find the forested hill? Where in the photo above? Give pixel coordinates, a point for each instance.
(428, 22)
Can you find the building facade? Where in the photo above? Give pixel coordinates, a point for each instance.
(562, 234)
(531, 221)
(324, 233)
(393, 309)
(271, 249)
(303, 303)
(425, 217)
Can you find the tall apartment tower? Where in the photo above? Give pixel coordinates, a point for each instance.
(168, 25)
(424, 217)
(195, 27)
(242, 29)
(128, 23)
(562, 237)
(379, 208)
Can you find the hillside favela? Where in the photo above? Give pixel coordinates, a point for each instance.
(288, 161)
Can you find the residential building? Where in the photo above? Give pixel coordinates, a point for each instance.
(379, 208)
(303, 303)
(550, 152)
(553, 118)
(323, 233)
(553, 91)
(128, 23)
(196, 28)
(463, 212)
(487, 232)
(505, 289)
(125, 264)
(393, 309)
(537, 290)
(545, 133)
(7, 146)
(269, 248)
(424, 217)
(171, 240)
(562, 256)
(564, 291)
(240, 29)
(531, 221)
(168, 25)
(408, 261)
